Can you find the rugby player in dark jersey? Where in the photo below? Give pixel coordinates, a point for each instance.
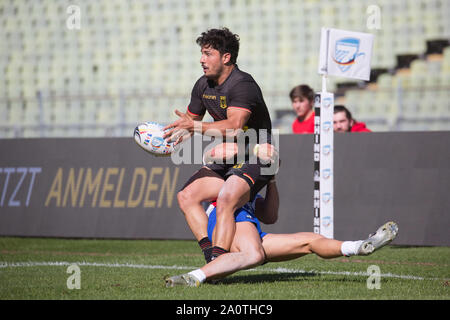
(235, 101)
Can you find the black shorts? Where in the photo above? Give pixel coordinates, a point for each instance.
(251, 173)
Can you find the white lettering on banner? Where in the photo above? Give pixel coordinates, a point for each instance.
(316, 203)
(316, 222)
(15, 179)
(316, 156)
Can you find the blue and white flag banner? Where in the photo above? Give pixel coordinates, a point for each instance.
(345, 53)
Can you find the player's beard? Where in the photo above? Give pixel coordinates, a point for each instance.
(215, 73)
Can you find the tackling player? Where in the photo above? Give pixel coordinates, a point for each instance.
(344, 122)
(252, 247)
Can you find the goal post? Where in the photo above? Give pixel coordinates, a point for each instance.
(323, 164)
(344, 54)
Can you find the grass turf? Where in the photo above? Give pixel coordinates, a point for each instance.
(135, 269)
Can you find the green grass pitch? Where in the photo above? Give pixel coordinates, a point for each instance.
(36, 268)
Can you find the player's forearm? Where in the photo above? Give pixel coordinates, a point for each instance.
(271, 204)
(220, 153)
(228, 150)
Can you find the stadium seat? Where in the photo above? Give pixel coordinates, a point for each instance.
(31, 113)
(138, 47)
(419, 66)
(446, 60)
(386, 105)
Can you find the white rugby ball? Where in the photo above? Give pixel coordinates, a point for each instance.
(149, 136)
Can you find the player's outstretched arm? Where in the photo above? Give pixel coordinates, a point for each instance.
(230, 127)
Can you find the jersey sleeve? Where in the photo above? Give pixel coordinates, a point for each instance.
(244, 95)
(196, 106)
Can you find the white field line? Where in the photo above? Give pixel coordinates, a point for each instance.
(175, 267)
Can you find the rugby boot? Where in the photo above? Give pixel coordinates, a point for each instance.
(383, 236)
(185, 280)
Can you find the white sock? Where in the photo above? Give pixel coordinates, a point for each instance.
(199, 275)
(350, 248)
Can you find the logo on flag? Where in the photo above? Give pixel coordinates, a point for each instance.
(345, 53)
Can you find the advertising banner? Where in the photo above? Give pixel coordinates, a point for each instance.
(111, 188)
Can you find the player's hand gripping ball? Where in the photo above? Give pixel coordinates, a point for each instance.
(149, 136)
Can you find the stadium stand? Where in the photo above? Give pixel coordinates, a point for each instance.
(133, 61)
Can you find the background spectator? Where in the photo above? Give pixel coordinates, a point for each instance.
(344, 122)
(302, 98)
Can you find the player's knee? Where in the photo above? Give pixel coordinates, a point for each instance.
(313, 241)
(256, 256)
(226, 200)
(185, 199)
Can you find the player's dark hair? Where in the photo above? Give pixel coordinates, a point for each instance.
(223, 40)
(302, 91)
(341, 108)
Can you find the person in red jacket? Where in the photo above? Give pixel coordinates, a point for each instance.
(302, 98)
(344, 122)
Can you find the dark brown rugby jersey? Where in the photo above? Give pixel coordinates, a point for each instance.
(239, 90)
